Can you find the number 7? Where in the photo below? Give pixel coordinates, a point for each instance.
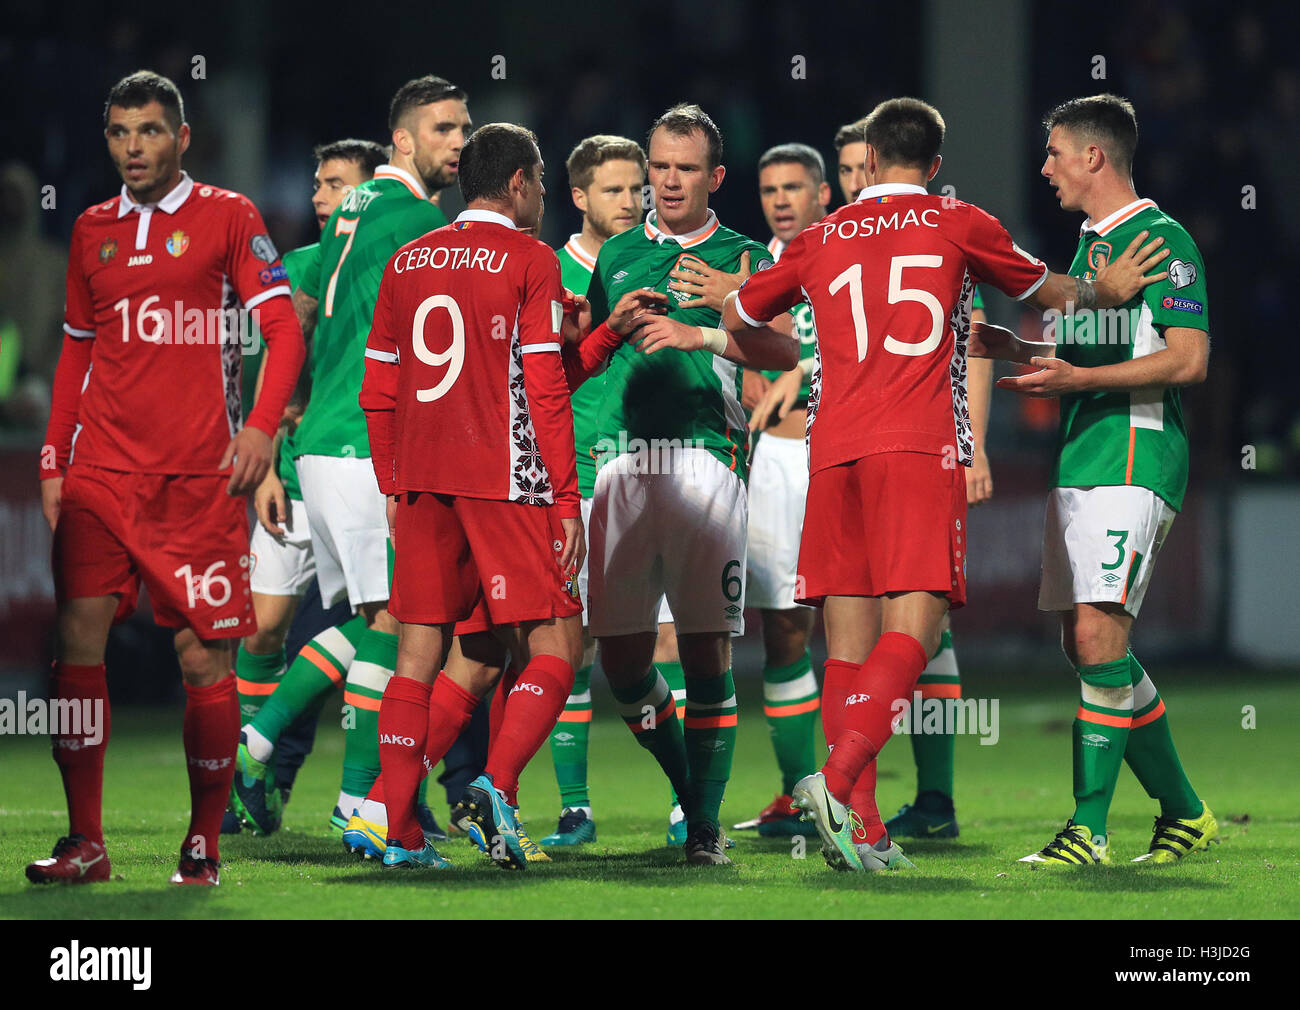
(348, 227)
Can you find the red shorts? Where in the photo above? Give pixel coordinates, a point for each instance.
(182, 535)
(452, 553)
(892, 522)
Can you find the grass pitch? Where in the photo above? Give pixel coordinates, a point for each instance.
(1011, 798)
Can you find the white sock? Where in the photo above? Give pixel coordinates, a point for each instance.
(259, 747)
(348, 804)
(373, 811)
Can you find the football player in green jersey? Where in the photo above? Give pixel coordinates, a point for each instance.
(669, 504)
(282, 563)
(1119, 479)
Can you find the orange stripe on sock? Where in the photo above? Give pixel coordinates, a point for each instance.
(360, 701)
(1151, 716)
(1102, 719)
(254, 687)
(781, 711)
(583, 716)
(314, 657)
(939, 690)
(710, 721)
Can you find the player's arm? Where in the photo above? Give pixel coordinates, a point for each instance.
(585, 356)
(754, 345)
(707, 286)
(1182, 362)
(979, 393)
(1115, 284)
(379, 388)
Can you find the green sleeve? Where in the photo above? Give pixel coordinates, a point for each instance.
(978, 304)
(300, 262)
(1180, 299)
(596, 294)
(309, 279)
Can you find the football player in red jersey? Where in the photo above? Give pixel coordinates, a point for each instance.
(466, 393)
(891, 279)
(145, 466)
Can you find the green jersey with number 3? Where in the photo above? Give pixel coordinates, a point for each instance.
(575, 274)
(1135, 438)
(688, 397)
(373, 222)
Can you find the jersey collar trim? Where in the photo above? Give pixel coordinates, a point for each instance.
(404, 177)
(691, 238)
(891, 189)
(776, 247)
(489, 216)
(574, 248)
(1113, 221)
(169, 204)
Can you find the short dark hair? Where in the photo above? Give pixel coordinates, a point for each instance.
(684, 119)
(141, 88)
(593, 152)
(850, 133)
(491, 157)
(905, 131)
(796, 154)
(365, 154)
(1105, 120)
(421, 91)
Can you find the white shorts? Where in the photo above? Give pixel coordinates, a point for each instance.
(347, 516)
(284, 565)
(778, 491)
(1100, 546)
(678, 533)
(665, 612)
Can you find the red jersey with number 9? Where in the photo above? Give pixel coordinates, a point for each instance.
(157, 288)
(890, 278)
(459, 311)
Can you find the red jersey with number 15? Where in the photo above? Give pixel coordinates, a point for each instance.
(890, 278)
(157, 288)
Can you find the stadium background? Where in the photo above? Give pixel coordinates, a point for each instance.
(1217, 91)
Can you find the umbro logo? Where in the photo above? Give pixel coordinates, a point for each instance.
(620, 275)
(1096, 740)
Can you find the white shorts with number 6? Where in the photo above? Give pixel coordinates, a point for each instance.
(283, 566)
(1100, 546)
(778, 491)
(679, 533)
(347, 515)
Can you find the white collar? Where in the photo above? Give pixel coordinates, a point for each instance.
(403, 176)
(489, 216)
(655, 234)
(169, 204)
(1109, 222)
(891, 189)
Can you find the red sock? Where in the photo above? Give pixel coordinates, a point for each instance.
(403, 725)
(81, 761)
(211, 735)
(862, 799)
(889, 674)
(837, 682)
(450, 709)
(497, 710)
(376, 792)
(532, 709)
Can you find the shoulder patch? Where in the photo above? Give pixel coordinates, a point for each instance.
(1182, 273)
(263, 248)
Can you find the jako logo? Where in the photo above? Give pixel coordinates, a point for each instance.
(854, 699)
(102, 964)
(402, 741)
(225, 622)
(528, 687)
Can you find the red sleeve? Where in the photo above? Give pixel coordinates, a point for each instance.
(995, 258)
(545, 383)
(379, 389)
(69, 379)
(768, 293)
(285, 353)
(78, 307)
(252, 264)
(582, 360)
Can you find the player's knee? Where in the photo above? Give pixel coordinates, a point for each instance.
(202, 664)
(264, 642)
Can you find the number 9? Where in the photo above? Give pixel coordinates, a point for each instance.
(453, 357)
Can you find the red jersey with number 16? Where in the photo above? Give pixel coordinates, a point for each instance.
(890, 278)
(464, 390)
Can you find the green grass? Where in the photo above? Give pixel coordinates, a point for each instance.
(1011, 798)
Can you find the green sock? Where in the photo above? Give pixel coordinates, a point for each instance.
(422, 794)
(675, 677)
(790, 702)
(933, 752)
(569, 743)
(710, 743)
(256, 678)
(320, 665)
(1151, 752)
(1101, 731)
(367, 677)
(647, 708)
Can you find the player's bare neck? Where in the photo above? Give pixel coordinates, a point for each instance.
(590, 239)
(899, 176)
(683, 227)
(157, 191)
(1106, 198)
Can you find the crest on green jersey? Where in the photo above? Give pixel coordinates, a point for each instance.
(1098, 255)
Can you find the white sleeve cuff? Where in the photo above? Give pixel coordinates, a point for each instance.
(256, 300)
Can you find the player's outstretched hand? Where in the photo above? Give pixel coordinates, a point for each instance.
(51, 500)
(575, 546)
(979, 479)
(777, 400)
(989, 341)
(753, 387)
(708, 286)
(271, 504)
(1119, 280)
(1053, 378)
(633, 304)
(577, 317)
(654, 333)
(250, 452)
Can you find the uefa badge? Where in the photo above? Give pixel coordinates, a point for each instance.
(177, 243)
